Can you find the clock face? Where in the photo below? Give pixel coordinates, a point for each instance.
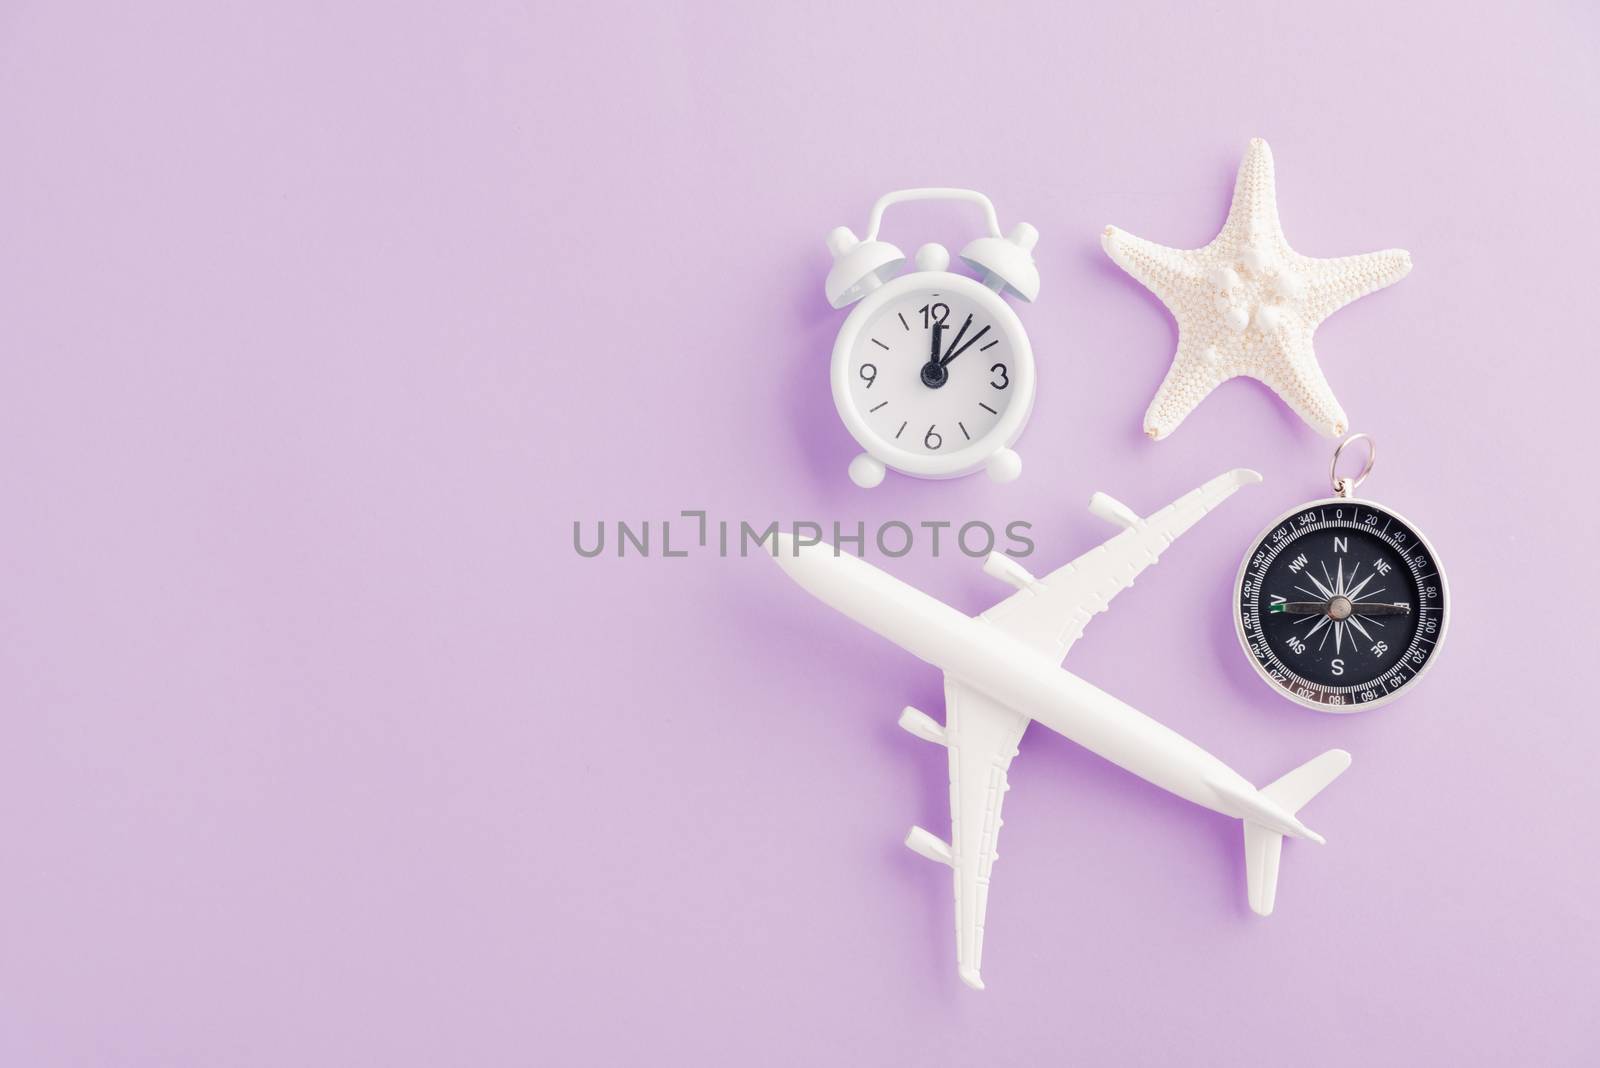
(1341, 605)
(933, 371)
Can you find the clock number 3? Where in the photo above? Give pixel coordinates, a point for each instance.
(1004, 379)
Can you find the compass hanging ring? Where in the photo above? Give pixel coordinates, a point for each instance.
(1346, 486)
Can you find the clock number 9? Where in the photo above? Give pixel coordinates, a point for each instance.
(1005, 380)
(869, 374)
(932, 440)
(934, 313)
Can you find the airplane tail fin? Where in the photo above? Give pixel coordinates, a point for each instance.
(1263, 844)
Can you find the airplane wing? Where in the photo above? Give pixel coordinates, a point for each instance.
(1050, 613)
(982, 738)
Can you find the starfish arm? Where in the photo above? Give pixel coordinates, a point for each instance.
(1300, 382)
(1331, 284)
(1170, 273)
(1253, 215)
(1195, 372)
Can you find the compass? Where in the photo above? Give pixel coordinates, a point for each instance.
(1341, 602)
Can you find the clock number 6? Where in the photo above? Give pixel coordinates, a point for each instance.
(869, 374)
(932, 440)
(1005, 380)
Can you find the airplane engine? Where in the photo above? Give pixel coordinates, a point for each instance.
(915, 721)
(1113, 511)
(927, 844)
(999, 565)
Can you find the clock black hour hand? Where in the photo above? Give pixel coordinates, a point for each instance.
(971, 341)
(938, 332)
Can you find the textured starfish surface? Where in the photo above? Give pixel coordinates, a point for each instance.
(1247, 304)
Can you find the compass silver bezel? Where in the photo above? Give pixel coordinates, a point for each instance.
(1244, 638)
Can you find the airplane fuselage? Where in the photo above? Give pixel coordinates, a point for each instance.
(982, 656)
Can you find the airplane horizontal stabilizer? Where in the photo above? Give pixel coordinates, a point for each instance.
(1263, 844)
(1308, 780)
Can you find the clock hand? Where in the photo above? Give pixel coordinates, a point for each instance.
(957, 339)
(933, 374)
(973, 340)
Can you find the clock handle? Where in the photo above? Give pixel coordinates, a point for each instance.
(900, 196)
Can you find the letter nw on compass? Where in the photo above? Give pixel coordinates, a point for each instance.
(1341, 604)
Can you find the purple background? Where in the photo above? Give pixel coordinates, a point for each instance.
(320, 324)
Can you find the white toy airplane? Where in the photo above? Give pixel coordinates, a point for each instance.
(1001, 670)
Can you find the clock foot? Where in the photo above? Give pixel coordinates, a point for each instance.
(865, 471)
(1005, 466)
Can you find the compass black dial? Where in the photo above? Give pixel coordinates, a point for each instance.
(1341, 604)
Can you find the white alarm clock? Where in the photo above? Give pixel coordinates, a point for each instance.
(932, 371)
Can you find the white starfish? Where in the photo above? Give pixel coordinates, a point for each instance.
(1247, 304)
